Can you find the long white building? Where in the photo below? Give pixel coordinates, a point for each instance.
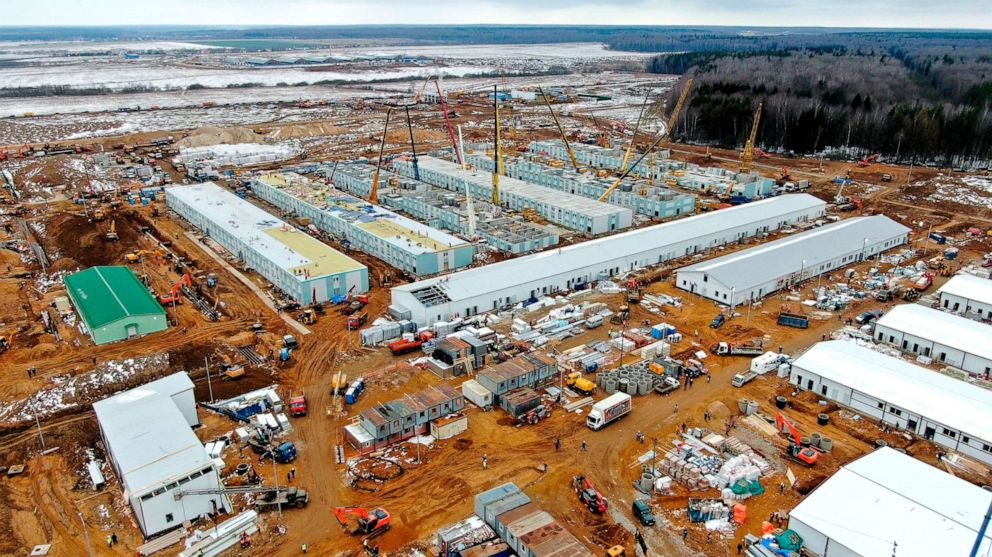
(487, 288)
(950, 412)
(967, 295)
(755, 272)
(943, 337)
(887, 503)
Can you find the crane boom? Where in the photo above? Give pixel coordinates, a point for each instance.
(747, 156)
(374, 192)
(447, 121)
(413, 145)
(637, 126)
(497, 160)
(568, 147)
(661, 139)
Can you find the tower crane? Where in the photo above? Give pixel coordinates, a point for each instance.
(633, 138)
(568, 147)
(451, 131)
(498, 160)
(374, 192)
(747, 156)
(661, 140)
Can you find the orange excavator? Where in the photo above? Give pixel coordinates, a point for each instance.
(796, 451)
(371, 524)
(174, 294)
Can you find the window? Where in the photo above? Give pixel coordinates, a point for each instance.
(986, 448)
(169, 517)
(195, 475)
(965, 439)
(881, 406)
(148, 496)
(172, 486)
(159, 491)
(948, 433)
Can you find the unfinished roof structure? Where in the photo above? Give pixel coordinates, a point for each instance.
(753, 273)
(889, 503)
(949, 411)
(943, 337)
(302, 267)
(517, 280)
(114, 304)
(571, 211)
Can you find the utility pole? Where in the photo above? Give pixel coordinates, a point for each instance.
(86, 534)
(210, 387)
(981, 533)
(654, 459)
(41, 435)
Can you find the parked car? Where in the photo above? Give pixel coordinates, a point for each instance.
(642, 512)
(718, 321)
(868, 316)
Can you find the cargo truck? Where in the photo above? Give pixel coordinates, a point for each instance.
(609, 410)
(741, 379)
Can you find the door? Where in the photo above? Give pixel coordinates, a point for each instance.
(928, 432)
(132, 331)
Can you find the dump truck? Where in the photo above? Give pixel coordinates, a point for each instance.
(405, 346)
(733, 349)
(356, 321)
(578, 384)
(609, 410)
(298, 405)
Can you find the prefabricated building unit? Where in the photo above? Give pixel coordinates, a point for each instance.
(657, 202)
(403, 243)
(302, 267)
(887, 502)
(156, 456)
(953, 413)
(967, 295)
(403, 418)
(570, 211)
(528, 370)
(942, 337)
(517, 280)
(114, 304)
(755, 272)
(528, 530)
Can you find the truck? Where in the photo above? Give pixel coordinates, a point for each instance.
(298, 406)
(405, 346)
(769, 361)
(732, 349)
(289, 497)
(667, 385)
(740, 379)
(284, 453)
(790, 319)
(609, 410)
(356, 321)
(578, 384)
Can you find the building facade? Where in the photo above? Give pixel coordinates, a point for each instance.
(967, 295)
(939, 336)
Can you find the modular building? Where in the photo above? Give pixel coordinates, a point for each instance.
(753, 273)
(157, 457)
(114, 304)
(526, 529)
(950, 412)
(570, 211)
(401, 419)
(642, 198)
(403, 243)
(517, 280)
(529, 370)
(967, 295)
(304, 268)
(939, 336)
(887, 503)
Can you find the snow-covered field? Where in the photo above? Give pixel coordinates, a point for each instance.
(975, 191)
(239, 154)
(20, 47)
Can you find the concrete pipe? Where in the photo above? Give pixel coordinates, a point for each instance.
(815, 438)
(826, 444)
(804, 441)
(610, 386)
(822, 419)
(644, 386)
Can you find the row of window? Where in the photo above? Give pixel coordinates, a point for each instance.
(177, 483)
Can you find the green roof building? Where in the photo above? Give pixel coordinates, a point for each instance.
(114, 304)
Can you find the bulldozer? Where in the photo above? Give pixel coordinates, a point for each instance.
(371, 524)
(307, 317)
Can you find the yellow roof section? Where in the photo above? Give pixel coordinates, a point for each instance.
(324, 260)
(387, 229)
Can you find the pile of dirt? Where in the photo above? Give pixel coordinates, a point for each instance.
(75, 240)
(202, 137)
(403, 135)
(305, 130)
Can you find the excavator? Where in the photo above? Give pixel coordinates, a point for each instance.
(137, 255)
(796, 451)
(174, 296)
(371, 524)
(112, 232)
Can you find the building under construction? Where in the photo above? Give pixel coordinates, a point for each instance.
(403, 418)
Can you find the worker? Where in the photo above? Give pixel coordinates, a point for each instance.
(292, 472)
(676, 408)
(485, 462)
(557, 444)
(113, 538)
(583, 444)
(110, 541)
(685, 534)
(640, 437)
(740, 547)
(781, 487)
(303, 547)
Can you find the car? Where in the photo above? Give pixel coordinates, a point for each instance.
(718, 321)
(642, 512)
(672, 381)
(868, 316)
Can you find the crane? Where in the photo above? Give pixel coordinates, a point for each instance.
(374, 192)
(637, 126)
(468, 194)
(661, 139)
(568, 147)
(603, 139)
(747, 156)
(447, 121)
(498, 159)
(413, 145)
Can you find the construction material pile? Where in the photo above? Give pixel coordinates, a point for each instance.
(588, 357)
(634, 379)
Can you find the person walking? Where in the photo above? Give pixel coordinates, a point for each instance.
(292, 472)
(676, 411)
(113, 538)
(685, 534)
(740, 547)
(485, 462)
(303, 547)
(557, 444)
(583, 445)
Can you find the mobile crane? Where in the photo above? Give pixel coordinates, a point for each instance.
(374, 192)
(661, 139)
(568, 146)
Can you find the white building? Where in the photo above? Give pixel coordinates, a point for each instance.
(887, 503)
(950, 412)
(753, 273)
(938, 335)
(155, 454)
(508, 282)
(967, 295)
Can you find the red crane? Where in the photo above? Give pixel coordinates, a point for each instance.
(447, 121)
(174, 296)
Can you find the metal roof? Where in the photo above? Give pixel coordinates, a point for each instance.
(951, 330)
(887, 499)
(969, 286)
(523, 270)
(768, 262)
(104, 295)
(951, 402)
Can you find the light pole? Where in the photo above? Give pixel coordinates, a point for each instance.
(210, 387)
(86, 534)
(275, 481)
(802, 269)
(41, 435)
(926, 241)
(654, 459)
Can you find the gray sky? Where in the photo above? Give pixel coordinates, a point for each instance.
(972, 14)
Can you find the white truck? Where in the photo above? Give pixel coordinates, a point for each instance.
(769, 361)
(741, 378)
(609, 410)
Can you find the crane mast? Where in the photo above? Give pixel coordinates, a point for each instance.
(633, 138)
(374, 192)
(747, 156)
(498, 159)
(568, 147)
(413, 146)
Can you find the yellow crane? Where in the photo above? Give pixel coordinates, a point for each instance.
(747, 155)
(661, 139)
(568, 147)
(498, 159)
(374, 192)
(637, 126)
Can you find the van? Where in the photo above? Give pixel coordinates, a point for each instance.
(594, 321)
(642, 512)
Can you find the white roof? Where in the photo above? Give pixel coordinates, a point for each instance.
(941, 327)
(542, 194)
(532, 268)
(767, 262)
(969, 286)
(951, 402)
(148, 437)
(248, 223)
(887, 497)
(171, 385)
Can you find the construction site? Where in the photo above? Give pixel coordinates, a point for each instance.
(474, 317)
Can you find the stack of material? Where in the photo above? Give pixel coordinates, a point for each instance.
(454, 539)
(735, 469)
(633, 379)
(660, 349)
(214, 541)
(704, 510)
(382, 332)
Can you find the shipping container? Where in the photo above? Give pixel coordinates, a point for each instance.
(449, 426)
(477, 394)
(494, 494)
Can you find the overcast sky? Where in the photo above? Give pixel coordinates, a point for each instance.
(971, 14)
